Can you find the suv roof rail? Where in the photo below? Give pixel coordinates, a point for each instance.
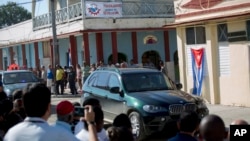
(109, 68)
(149, 67)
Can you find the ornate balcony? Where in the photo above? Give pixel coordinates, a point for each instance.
(130, 9)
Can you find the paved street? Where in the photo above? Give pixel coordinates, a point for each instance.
(228, 113)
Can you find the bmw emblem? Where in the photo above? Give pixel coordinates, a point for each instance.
(181, 101)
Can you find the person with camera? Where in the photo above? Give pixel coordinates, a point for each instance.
(65, 115)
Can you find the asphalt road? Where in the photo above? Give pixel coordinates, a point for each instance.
(227, 113)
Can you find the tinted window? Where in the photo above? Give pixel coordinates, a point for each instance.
(135, 82)
(92, 80)
(102, 80)
(20, 77)
(113, 81)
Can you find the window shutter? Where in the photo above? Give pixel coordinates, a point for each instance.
(224, 59)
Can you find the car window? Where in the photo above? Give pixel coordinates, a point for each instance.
(19, 77)
(92, 80)
(102, 80)
(113, 81)
(135, 82)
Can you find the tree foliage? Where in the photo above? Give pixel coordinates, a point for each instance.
(11, 13)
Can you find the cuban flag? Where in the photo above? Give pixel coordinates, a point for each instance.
(198, 69)
(69, 60)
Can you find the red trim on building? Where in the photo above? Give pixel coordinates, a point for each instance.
(51, 53)
(193, 22)
(199, 4)
(99, 47)
(221, 9)
(73, 50)
(166, 46)
(114, 47)
(37, 61)
(1, 56)
(86, 48)
(134, 47)
(11, 55)
(24, 55)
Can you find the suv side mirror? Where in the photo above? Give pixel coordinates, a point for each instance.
(178, 86)
(115, 90)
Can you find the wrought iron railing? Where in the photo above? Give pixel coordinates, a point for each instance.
(130, 8)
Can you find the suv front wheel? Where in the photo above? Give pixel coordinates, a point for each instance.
(137, 126)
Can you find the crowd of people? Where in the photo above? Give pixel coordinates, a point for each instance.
(25, 118)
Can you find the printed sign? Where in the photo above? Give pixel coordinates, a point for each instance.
(103, 9)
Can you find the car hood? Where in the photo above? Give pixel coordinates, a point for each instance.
(163, 98)
(16, 86)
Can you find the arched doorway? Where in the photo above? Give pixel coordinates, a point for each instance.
(152, 55)
(121, 56)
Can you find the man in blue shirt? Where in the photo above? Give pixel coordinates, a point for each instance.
(188, 123)
(50, 77)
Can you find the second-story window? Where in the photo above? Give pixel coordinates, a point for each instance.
(195, 35)
(248, 30)
(222, 32)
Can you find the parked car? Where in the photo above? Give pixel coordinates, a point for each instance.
(17, 79)
(147, 96)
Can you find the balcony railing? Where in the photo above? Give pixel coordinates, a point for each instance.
(130, 9)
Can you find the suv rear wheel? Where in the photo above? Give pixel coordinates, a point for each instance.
(137, 126)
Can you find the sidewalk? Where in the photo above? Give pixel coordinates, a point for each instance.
(66, 94)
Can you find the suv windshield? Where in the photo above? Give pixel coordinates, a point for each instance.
(136, 82)
(19, 77)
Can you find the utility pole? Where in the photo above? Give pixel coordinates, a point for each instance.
(55, 42)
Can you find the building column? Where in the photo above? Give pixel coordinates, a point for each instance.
(24, 56)
(73, 50)
(1, 61)
(86, 48)
(37, 61)
(134, 47)
(212, 93)
(51, 53)
(182, 57)
(11, 53)
(99, 47)
(166, 46)
(114, 47)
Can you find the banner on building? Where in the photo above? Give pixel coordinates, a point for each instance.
(103, 9)
(198, 69)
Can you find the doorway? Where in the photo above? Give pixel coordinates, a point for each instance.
(153, 56)
(121, 57)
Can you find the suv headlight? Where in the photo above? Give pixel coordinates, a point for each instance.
(201, 105)
(7, 91)
(154, 109)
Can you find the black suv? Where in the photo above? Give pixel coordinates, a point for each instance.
(147, 96)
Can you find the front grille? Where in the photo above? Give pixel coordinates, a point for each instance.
(176, 109)
(190, 107)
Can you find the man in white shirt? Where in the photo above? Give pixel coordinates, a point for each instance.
(83, 135)
(37, 105)
(36, 101)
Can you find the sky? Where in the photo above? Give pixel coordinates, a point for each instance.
(41, 5)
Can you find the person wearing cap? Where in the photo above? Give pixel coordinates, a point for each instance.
(64, 111)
